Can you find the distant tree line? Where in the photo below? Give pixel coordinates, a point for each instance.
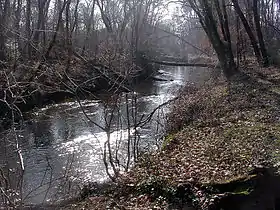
(43, 29)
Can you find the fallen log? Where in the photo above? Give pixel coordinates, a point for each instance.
(184, 64)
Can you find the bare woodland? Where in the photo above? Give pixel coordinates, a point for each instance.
(55, 38)
(52, 50)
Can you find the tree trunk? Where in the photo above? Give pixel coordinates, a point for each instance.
(238, 42)
(89, 26)
(265, 60)
(76, 16)
(28, 28)
(68, 36)
(17, 25)
(106, 20)
(228, 37)
(249, 31)
(222, 48)
(2, 42)
(52, 42)
(40, 25)
(46, 11)
(3, 25)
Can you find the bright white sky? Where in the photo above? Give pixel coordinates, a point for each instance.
(170, 10)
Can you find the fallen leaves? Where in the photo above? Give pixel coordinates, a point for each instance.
(218, 134)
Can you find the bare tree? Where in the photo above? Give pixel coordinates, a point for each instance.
(249, 30)
(208, 20)
(28, 27)
(58, 26)
(263, 50)
(4, 18)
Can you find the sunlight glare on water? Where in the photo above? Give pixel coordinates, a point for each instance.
(59, 141)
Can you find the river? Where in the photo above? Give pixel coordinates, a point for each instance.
(62, 150)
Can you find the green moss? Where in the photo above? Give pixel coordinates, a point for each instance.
(167, 140)
(266, 131)
(275, 90)
(156, 187)
(242, 191)
(239, 185)
(231, 181)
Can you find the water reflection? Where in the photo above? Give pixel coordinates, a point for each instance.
(62, 149)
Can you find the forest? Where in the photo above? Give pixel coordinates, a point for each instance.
(140, 104)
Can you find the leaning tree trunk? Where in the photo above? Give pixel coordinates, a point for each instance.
(265, 60)
(249, 31)
(228, 47)
(52, 42)
(221, 47)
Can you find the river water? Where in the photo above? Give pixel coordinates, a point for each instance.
(62, 150)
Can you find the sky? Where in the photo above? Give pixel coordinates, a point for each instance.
(170, 10)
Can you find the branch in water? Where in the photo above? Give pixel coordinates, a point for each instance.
(149, 117)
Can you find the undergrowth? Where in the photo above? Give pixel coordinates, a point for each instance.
(217, 136)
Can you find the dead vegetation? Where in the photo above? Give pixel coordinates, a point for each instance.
(218, 135)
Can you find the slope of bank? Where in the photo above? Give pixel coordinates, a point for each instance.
(24, 87)
(222, 152)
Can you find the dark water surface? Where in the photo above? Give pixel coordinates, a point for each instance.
(62, 150)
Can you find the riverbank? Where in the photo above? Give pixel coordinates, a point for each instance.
(37, 84)
(222, 152)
